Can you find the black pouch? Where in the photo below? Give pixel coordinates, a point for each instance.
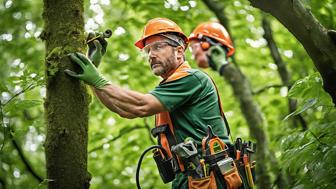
(165, 167)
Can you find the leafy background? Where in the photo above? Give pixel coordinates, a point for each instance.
(307, 157)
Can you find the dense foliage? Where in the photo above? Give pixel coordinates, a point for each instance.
(307, 157)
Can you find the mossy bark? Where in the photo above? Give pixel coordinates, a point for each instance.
(66, 104)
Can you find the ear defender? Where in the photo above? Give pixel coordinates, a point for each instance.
(205, 45)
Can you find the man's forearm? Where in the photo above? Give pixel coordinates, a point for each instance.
(109, 104)
(128, 103)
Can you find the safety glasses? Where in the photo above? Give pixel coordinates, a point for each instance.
(155, 46)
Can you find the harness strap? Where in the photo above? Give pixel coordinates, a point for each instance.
(159, 129)
(166, 137)
(221, 109)
(212, 159)
(164, 129)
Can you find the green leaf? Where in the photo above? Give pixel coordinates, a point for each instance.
(307, 87)
(3, 87)
(18, 105)
(301, 186)
(309, 103)
(276, 102)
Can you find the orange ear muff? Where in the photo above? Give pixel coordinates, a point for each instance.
(205, 45)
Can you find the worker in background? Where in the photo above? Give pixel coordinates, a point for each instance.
(211, 46)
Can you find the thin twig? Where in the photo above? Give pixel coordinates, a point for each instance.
(318, 138)
(266, 87)
(117, 137)
(282, 68)
(2, 123)
(29, 87)
(24, 159)
(19, 93)
(43, 182)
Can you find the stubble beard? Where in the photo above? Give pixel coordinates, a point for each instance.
(163, 67)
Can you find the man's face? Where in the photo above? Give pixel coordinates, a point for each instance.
(161, 56)
(199, 54)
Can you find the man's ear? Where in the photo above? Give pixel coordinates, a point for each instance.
(180, 52)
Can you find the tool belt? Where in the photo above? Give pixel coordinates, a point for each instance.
(221, 165)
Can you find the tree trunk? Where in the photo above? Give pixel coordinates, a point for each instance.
(253, 115)
(319, 42)
(282, 70)
(66, 104)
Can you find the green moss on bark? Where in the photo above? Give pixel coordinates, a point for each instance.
(66, 104)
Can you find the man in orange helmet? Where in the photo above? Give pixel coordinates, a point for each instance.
(211, 46)
(184, 102)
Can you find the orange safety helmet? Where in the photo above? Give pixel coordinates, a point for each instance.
(216, 31)
(160, 25)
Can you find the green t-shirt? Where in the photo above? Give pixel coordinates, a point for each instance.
(192, 102)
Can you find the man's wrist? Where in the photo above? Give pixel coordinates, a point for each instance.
(100, 83)
(222, 68)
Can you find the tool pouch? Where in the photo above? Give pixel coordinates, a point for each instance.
(226, 172)
(164, 166)
(227, 168)
(208, 182)
(232, 179)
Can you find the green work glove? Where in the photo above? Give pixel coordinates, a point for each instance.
(217, 58)
(90, 74)
(97, 47)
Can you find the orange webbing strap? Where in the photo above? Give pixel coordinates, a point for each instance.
(167, 139)
(163, 118)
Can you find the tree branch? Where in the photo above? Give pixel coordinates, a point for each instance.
(332, 35)
(317, 138)
(121, 133)
(218, 9)
(24, 159)
(2, 123)
(312, 35)
(3, 183)
(29, 87)
(267, 87)
(282, 69)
